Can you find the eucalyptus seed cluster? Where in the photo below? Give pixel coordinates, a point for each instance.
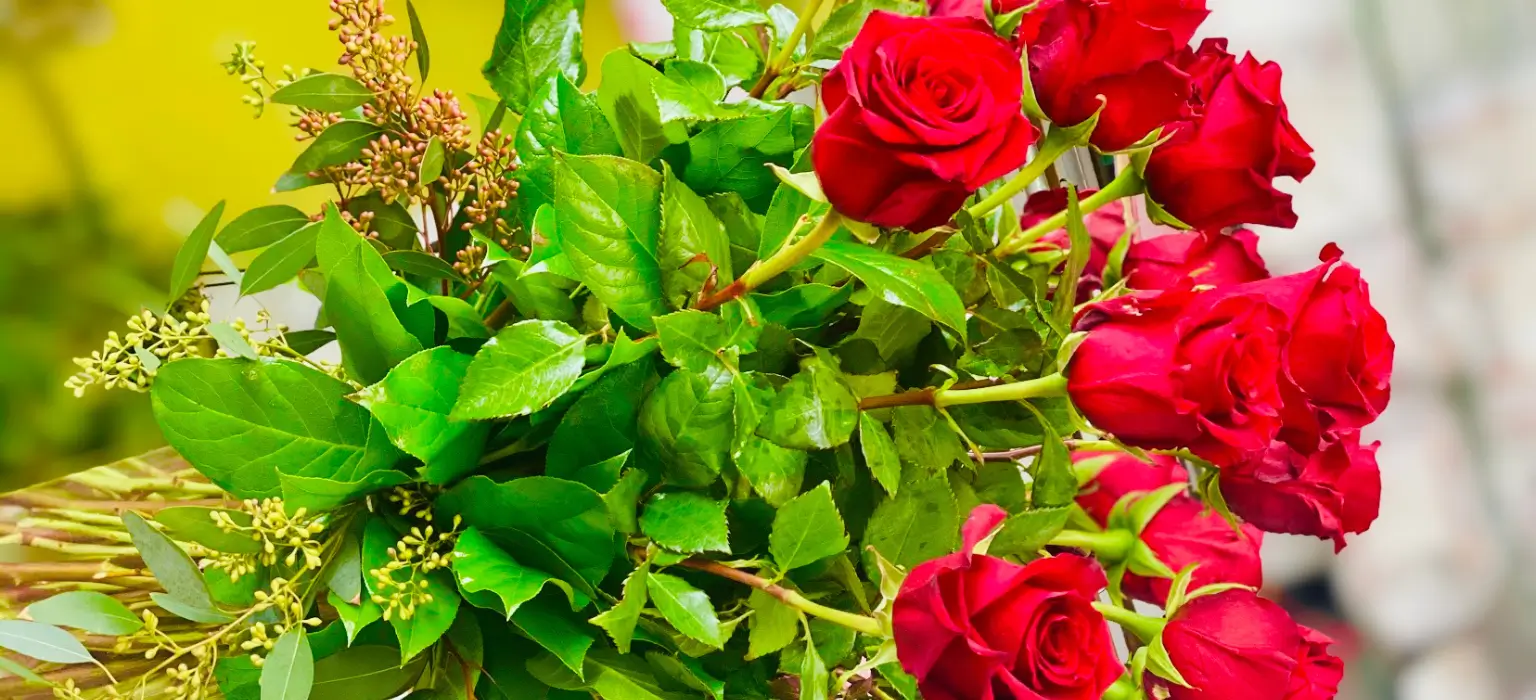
(412, 503)
(252, 73)
(285, 600)
(400, 586)
(193, 681)
(129, 361)
(289, 538)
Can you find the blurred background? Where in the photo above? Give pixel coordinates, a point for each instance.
(121, 129)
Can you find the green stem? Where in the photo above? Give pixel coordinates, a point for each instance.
(1053, 147)
(858, 623)
(1050, 385)
(1128, 183)
(777, 264)
(1145, 628)
(786, 52)
(1109, 546)
(1124, 689)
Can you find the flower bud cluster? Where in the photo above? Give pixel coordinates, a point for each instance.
(400, 586)
(289, 538)
(376, 60)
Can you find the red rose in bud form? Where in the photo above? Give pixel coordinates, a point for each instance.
(1327, 493)
(1318, 673)
(1177, 368)
(974, 627)
(1218, 169)
(1184, 532)
(922, 111)
(1088, 54)
(1208, 258)
(1340, 353)
(1229, 645)
(1105, 227)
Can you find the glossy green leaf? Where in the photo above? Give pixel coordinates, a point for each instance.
(918, 524)
(687, 423)
(42, 642)
(601, 425)
(686, 521)
(217, 414)
(432, 161)
(807, 529)
(324, 92)
(97, 613)
(776, 473)
(413, 403)
(693, 340)
(733, 53)
(390, 220)
(814, 411)
(362, 299)
(261, 227)
(774, 625)
(843, 24)
(289, 670)
(557, 526)
(894, 330)
(814, 678)
(535, 37)
(694, 245)
(560, 117)
(308, 341)
(318, 494)
(717, 14)
(900, 281)
(619, 621)
(415, 262)
(1027, 533)
(282, 261)
(365, 672)
(419, 35)
(231, 341)
(609, 215)
(431, 619)
(1055, 483)
(479, 565)
(339, 144)
(880, 453)
(733, 154)
(924, 438)
(173, 569)
(523, 369)
(628, 98)
(549, 622)
(803, 305)
(686, 607)
(196, 524)
(189, 260)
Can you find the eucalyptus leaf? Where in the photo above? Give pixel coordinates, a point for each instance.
(173, 569)
(289, 670)
(196, 524)
(42, 642)
(189, 260)
(97, 613)
(324, 92)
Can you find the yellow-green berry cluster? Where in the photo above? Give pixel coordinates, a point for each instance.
(290, 538)
(400, 586)
(129, 361)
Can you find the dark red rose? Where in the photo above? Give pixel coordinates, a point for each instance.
(1219, 168)
(1229, 645)
(1327, 493)
(922, 111)
(1208, 258)
(1105, 227)
(1118, 55)
(974, 627)
(1177, 368)
(1184, 532)
(1318, 673)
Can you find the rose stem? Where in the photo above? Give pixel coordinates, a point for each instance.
(1056, 144)
(857, 623)
(786, 52)
(764, 270)
(1144, 627)
(1110, 546)
(1126, 184)
(1042, 387)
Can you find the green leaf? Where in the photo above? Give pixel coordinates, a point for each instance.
(219, 415)
(480, 565)
(261, 227)
(716, 14)
(689, 92)
(281, 262)
(419, 35)
(318, 494)
(324, 92)
(42, 642)
(173, 569)
(686, 423)
(693, 340)
(732, 155)
(523, 369)
(688, 672)
(549, 623)
(894, 330)
(924, 438)
(542, 295)
(686, 607)
(733, 53)
(560, 117)
(390, 220)
(685, 521)
(13, 669)
(814, 678)
(189, 260)
(919, 524)
(803, 305)
(196, 524)
(879, 453)
(289, 670)
(774, 625)
(1027, 533)
(308, 341)
(601, 425)
(628, 98)
(231, 341)
(413, 403)
(362, 298)
(432, 162)
(536, 36)
(843, 24)
(341, 143)
(207, 615)
(899, 281)
(694, 245)
(619, 621)
(554, 525)
(814, 411)
(807, 529)
(430, 620)
(609, 219)
(238, 678)
(97, 613)
(415, 262)
(1055, 483)
(624, 498)
(355, 617)
(366, 672)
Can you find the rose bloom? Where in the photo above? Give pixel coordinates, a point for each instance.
(1318, 673)
(922, 111)
(974, 627)
(1184, 532)
(1218, 169)
(1327, 493)
(1230, 645)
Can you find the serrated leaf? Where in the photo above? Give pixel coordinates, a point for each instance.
(608, 210)
(899, 281)
(42, 642)
(619, 621)
(686, 521)
(173, 569)
(692, 340)
(687, 423)
(814, 678)
(1055, 483)
(562, 118)
(196, 524)
(686, 607)
(924, 438)
(97, 613)
(189, 260)
(557, 526)
(549, 622)
(774, 625)
(879, 453)
(535, 37)
(918, 524)
(523, 369)
(776, 473)
(289, 670)
(339, 144)
(479, 565)
(1027, 533)
(628, 97)
(324, 92)
(843, 24)
(814, 411)
(601, 425)
(715, 15)
(807, 529)
(413, 403)
(261, 227)
(694, 246)
(732, 155)
(282, 261)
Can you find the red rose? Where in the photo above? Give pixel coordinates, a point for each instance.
(1218, 169)
(1318, 673)
(1340, 354)
(1230, 645)
(1178, 369)
(1208, 258)
(1105, 227)
(922, 111)
(1184, 532)
(1327, 493)
(1118, 55)
(974, 627)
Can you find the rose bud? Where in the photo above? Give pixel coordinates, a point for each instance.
(1218, 169)
(1226, 645)
(1318, 673)
(921, 112)
(974, 627)
(1208, 258)
(1090, 55)
(1327, 493)
(1177, 369)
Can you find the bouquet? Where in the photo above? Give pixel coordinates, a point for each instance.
(874, 350)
